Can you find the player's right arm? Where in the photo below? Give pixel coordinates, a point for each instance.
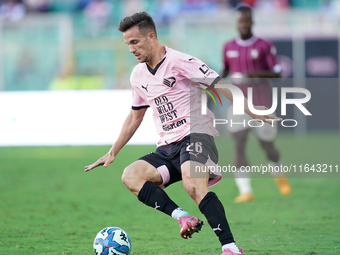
(131, 124)
(225, 71)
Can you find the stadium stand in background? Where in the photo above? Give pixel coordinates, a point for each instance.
(74, 44)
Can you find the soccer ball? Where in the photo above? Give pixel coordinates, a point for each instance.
(112, 241)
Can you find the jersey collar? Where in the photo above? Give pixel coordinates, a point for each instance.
(153, 71)
(246, 43)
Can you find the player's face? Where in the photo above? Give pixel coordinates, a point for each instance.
(244, 23)
(139, 44)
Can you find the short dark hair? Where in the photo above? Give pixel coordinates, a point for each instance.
(243, 8)
(141, 19)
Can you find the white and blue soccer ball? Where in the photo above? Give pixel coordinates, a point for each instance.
(112, 241)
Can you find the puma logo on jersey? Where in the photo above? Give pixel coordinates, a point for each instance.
(146, 88)
(218, 228)
(195, 154)
(157, 206)
(169, 81)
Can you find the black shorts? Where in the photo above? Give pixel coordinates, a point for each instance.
(167, 159)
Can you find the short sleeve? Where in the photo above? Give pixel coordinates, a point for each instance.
(138, 102)
(199, 72)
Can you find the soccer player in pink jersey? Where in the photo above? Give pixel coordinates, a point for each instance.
(245, 59)
(163, 82)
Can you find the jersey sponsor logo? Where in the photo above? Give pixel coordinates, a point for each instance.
(165, 109)
(232, 54)
(146, 87)
(173, 125)
(254, 53)
(169, 81)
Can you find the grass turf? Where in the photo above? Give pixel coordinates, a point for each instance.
(48, 205)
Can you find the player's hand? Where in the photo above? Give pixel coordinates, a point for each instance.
(265, 118)
(103, 161)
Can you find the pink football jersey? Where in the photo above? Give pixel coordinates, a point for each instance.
(255, 54)
(171, 92)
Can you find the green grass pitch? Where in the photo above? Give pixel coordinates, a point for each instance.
(49, 205)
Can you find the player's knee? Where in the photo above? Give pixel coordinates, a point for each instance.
(128, 177)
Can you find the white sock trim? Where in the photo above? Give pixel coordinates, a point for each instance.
(178, 213)
(243, 185)
(274, 164)
(232, 247)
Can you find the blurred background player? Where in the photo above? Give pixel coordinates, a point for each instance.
(244, 59)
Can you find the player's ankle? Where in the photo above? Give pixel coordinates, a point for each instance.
(178, 213)
(232, 247)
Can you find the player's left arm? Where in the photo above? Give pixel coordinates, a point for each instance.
(199, 72)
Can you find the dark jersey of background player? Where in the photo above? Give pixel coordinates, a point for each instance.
(250, 57)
